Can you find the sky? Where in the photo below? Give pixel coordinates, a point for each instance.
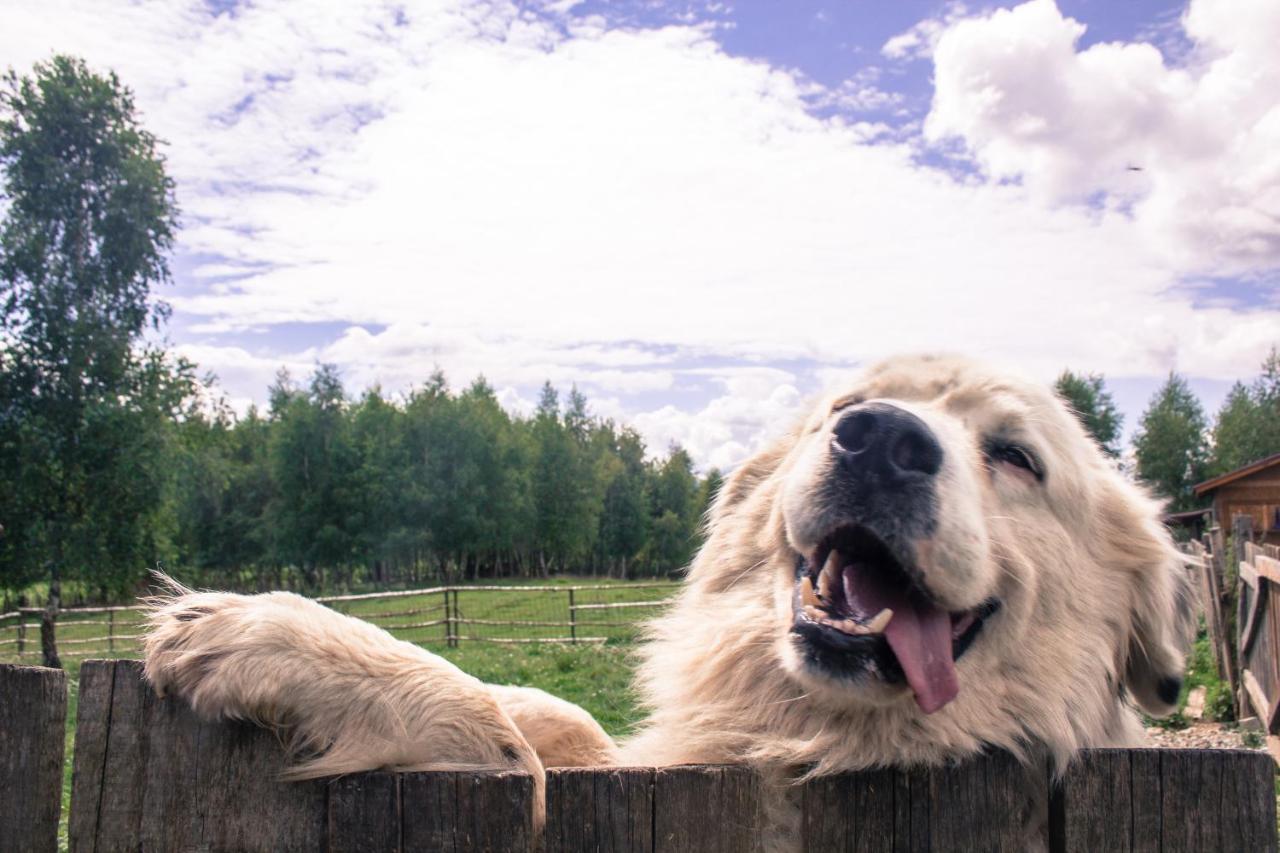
(704, 213)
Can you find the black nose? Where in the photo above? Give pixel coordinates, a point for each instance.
(885, 441)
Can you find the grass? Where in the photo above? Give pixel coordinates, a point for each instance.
(596, 676)
(1201, 672)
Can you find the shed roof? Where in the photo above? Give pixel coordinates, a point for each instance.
(1231, 476)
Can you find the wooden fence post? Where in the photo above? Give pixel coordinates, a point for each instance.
(22, 633)
(49, 637)
(111, 632)
(33, 707)
(453, 617)
(573, 619)
(448, 622)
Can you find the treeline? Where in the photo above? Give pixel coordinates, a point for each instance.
(1176, 445)
(322, 492)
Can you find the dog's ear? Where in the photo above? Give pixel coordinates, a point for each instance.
(1162, 603)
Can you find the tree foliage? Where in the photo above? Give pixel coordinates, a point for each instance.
(1247, 427)
(1170, 447)
(87, 412)
(326, 492)
(1088, 397)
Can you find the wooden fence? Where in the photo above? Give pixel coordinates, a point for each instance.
(149, 775)
(444, 615)
(1258, 623)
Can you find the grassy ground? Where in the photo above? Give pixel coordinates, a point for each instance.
(483, 614)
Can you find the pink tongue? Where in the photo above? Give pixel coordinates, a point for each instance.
(918, 633)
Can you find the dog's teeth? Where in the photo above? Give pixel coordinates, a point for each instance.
(815, 614)
(830, 571)
(806, 593)
(880, 621)
(848, 626)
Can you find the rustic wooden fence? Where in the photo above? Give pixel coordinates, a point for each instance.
(149, 775)
(1258, 623)
(444, 615)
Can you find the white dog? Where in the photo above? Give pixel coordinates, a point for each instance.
(936, 562)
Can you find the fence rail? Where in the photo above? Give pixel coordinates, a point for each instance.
(502, 614)
(150, 775)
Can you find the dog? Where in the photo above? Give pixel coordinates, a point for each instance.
(936, 562)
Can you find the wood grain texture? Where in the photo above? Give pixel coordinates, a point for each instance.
(707, 808)
(93, 714)
(364, 813)
(605, 809)
(33, 714)
(467, 811)
(1174, 800)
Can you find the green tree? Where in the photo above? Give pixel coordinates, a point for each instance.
(90, 218)
(675, 506)
(1088, 397)
(1247, 427)
(1170, 446)
(314, 464)
(624, 517)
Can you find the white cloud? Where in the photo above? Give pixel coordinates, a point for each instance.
(919, 40)
(486, 192)
(757, 404)
(1192, 150)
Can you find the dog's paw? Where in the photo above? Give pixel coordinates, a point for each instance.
(218, 651)
(187, 634)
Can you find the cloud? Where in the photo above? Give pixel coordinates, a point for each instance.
(1188, 151)
(533, 194)
(919, 40)
(756, 405)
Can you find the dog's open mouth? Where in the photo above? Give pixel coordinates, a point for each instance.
(859, 610)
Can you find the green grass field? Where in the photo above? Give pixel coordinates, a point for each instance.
(594, 675)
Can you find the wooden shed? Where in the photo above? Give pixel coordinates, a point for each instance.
(1253, 490)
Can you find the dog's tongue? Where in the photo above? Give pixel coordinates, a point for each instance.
(919, 634)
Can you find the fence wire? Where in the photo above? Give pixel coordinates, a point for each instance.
(436, 617)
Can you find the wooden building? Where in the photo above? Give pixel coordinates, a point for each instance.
(1253, 490)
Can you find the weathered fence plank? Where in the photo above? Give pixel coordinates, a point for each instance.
(364, 813)
(600, 809)
(978, 805)
(1167, 800)
(33, 715)
(706, 808)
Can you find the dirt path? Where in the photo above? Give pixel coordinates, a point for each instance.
(1202, 736)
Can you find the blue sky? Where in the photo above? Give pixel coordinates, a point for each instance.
(704, 212)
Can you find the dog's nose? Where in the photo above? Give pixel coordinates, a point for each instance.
(886, 442)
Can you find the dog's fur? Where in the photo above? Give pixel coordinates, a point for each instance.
(1094, 614)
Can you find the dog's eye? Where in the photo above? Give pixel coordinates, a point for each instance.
(1018, 457)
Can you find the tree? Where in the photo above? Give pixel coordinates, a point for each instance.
(675, 506)
(624, 519)
(90, 219)
(1170, 445)
(1089, 399)
(1247, 427)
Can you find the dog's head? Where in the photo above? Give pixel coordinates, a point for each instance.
(940, 539)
